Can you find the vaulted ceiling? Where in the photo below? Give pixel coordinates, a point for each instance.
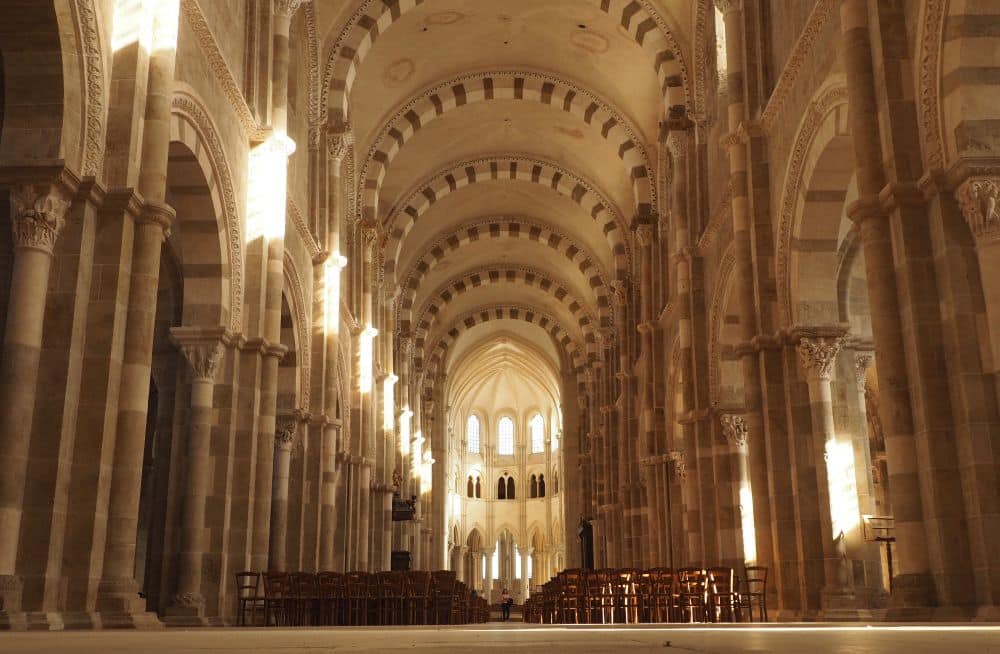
(507, 149)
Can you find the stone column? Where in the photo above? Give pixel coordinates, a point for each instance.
(818, 351)
(744, 287)
(736, 433)
(525, 580)
(979, 199)
(913, 586)
(118, 590)
(37, 213)
(204, 351)
(284, 440)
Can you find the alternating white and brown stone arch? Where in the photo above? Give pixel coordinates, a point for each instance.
(542, 88)
(510, 168)
(515, 227)
(423, 321)
(373, 18)
(191, 126)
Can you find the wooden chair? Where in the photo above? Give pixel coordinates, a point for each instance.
(331, 598)
(754, 591)
(664, 595)
(276, 599)
(390, 598)
(356, 586)
(303, 599)
(692, 594)
(570, 594)
(723, 596)
(416, 597)
(248, 597)
(598, 598)
(442, 596)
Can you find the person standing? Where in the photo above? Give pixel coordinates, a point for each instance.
(505, 601)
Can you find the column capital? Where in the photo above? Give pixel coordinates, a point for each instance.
(818, 351)
(285, 429)
(676, 457)
(725, 6)
(157, 213)
(38, 214)
(734, 429)
(203, 349)
(863, 360)
(644, 234)
(979, 199)
(287, 8)
(619, 292)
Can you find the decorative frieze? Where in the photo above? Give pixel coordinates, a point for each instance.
(979, 198)
(38, 215)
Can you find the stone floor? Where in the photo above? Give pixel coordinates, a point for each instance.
(827, 639)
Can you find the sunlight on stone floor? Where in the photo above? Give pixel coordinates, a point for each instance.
(827, 639)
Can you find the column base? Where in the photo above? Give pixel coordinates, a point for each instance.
(11, 589)
(188, 610)
(912, 599)
(841, 605)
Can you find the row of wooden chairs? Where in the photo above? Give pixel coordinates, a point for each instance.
(624, 596)
(355, 599)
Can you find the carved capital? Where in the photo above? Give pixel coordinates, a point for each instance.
(679, 464)
(338, 145)
(818, 354)
(203, 349)
(619, 292)
(644, 235)
(862, 362)
(726, 6)
(38, 214)
(734, 429)
(284, 432)
(286, 8)
(159, 214)
(979, 198)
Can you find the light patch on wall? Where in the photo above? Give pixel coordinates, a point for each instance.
(404, 430)
(747, 524)
(843, 487)
(365, 355)
(331, 281)
(389, 402)
(267, 180)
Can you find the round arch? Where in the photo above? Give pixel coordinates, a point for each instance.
(513, 168)
(542, 88)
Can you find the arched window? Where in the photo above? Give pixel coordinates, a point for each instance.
(510, 488)
(469, 488)
(472, 434)
(541, 485)
(505, 437)
(479, 489)
(537, 427)
(501, 489)
(533, 487)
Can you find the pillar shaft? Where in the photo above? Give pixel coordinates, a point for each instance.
(204, 353)
(284, 439)
(38, 213)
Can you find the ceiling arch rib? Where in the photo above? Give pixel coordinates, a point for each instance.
(440, 345)
(516, 168)
(375, 17)
(497, 228)
(516, 275)
(542, 88)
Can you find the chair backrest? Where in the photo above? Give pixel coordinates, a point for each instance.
(691, 580)
(276, 585)
(756, 579)
(247, 583)
(721, 580)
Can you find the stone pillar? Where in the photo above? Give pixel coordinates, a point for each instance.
(525, 580)
(118, 590)
(736, 433)
(37, 213)
(744, 280)
(818, 351)
(284, 440)
(204, 351)
(913, 586)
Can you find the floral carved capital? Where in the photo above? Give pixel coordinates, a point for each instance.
(734, 429)
(284, 433)
(38, 214)
(979, 198)
(819, 354)
(287, 8)
(204, 352)
(644, 235)
(862, 362)
(676, 457)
